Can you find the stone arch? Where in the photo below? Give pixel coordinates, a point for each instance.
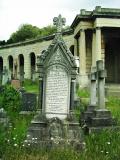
(32, 64)
(10, 65)
(21, 67)
(72, 49)
(1, 68)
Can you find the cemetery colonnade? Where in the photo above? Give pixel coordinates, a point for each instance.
(97, 37)
(20, 59)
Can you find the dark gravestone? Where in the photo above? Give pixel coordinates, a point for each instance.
(28, 101)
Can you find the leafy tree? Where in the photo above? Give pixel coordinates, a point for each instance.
(26, 31)
(2, 42)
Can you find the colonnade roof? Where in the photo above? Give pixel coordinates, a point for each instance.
(98, 12)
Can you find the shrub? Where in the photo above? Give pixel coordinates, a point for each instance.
(10, 100)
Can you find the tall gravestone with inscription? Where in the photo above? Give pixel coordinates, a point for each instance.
(56, 124)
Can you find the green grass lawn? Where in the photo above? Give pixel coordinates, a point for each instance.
(30, 86)
(101, 146)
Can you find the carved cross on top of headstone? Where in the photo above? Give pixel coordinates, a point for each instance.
(59, 22)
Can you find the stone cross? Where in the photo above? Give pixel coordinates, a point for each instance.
(101, 74)
(93, 79)
(59, 22)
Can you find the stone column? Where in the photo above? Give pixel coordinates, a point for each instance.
(98, 44)
(27, 67)
(75, 47)
(40, 98)
(93, 49)
(82, 56)
(72, 90)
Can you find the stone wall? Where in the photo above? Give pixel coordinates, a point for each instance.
(26, 48)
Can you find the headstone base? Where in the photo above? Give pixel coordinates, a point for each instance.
(54, 132)
(96, 120)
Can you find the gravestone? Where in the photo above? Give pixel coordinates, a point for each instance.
(100, 117)
(29, 102)
(21, 76)
(56, 125)
(3, 117)
(33, 76)
(5, 76)
(16, 83)
(88, 113)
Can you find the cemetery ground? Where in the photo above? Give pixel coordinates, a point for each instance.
(98, 146)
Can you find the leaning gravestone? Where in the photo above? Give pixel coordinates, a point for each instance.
(56, 124)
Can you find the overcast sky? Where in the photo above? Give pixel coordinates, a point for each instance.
(40, 13)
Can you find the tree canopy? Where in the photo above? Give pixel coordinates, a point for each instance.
(27, 31)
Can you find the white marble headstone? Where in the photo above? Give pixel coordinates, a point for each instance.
(57, 93)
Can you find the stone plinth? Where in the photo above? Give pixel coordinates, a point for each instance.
(50, 133)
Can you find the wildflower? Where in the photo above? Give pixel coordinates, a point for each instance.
(28, 135)
(107, 152)
(28, 144)
(23, 145)
(36, 138)
(33, 138)
(108, 142)
(15, 144)
(8, 140)
(52, 138)
(25, 141)
(14, 138)
(101, 151)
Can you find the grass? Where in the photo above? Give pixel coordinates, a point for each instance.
(102, 146)
(31, 86)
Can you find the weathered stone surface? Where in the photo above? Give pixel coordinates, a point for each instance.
(54, 126)
(57, 93)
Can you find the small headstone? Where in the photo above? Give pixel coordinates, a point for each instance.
(3, 117)
(5, 76)
(16, 83)
(33, 76)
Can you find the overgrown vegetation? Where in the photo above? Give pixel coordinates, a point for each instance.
(10, 101)
(99, 146)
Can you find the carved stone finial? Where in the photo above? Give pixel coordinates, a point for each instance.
(59, 22)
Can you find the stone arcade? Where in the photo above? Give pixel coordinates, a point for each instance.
(56, 124)
(95, 35)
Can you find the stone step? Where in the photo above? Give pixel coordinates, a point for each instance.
(107, 121)
(104, 128)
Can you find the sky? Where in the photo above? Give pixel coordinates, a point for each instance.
(40, 13)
